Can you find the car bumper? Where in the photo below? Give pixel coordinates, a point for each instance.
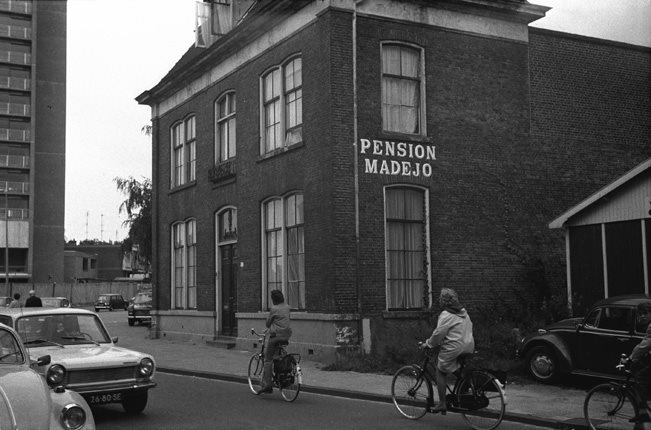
(104, 388)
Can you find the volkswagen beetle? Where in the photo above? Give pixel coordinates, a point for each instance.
(589, 346)
(26, 402)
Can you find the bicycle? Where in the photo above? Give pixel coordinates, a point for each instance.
(288, 382)
(615, 404)
(477, 394)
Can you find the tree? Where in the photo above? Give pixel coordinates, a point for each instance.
(137, 206)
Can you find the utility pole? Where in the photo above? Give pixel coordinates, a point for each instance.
(7, 234)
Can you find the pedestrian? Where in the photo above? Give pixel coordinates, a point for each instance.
(640, 360)
(279, 331)
(33, 301)
(15, 303)
(453, 337)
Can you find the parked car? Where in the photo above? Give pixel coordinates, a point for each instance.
(84, 358)
(4, 301)
(590, 345)
(139, 309)
(110, 302)
(26, 401)
(55, 302)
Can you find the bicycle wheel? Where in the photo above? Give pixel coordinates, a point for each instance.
(410, 391)
(609, 406)
(256, 366)
(290, 389)
(481, 400)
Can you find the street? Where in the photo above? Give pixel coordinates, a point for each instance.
(185, 402)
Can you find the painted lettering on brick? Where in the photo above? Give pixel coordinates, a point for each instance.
(419, 156)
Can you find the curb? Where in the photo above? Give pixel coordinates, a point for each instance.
(338, 392)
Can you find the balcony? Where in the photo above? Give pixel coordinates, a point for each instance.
(16, 6)
(10, 187)
(222, 171)
(14, 161)
(15, 32)
(20, 84)
(15, 109)
(14, 213)
(15, 135)
(13, 57)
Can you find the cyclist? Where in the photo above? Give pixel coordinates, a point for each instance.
(279, 331)
(640, 358)
(453, 337)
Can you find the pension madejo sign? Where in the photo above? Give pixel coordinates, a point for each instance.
(398, 158)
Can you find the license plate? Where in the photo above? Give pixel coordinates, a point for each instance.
(102, 399)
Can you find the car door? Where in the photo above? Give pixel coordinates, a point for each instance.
(605, 334)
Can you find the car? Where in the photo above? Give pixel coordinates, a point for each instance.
(26, 401)
(590, 346)
(110, 302)
(84, 358)
(139, 310)
(5, 301)
(55, 302)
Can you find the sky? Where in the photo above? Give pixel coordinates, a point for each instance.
(117, 49)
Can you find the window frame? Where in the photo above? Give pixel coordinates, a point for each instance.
(183, 261)
(421, 116)
(281, 230)
(183, 147)
(228, 120)
(427, 281)
(280, 101)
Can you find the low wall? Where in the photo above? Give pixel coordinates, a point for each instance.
(79, 294)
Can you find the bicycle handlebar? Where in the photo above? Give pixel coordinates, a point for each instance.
(263, 334)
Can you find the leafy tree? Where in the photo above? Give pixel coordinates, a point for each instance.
(137, 206)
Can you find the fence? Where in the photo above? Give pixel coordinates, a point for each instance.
(79, 294)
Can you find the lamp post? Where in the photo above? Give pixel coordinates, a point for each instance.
(6, 234)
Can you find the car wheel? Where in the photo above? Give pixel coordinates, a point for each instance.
(136, 403)
(542, 364)
(131, 321)
(96, 309)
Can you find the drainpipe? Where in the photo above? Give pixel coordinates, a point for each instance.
(360, 328)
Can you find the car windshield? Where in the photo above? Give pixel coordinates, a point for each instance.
(10, 352)
(142, 299)
(61, 330)
(52, 303)
(104, 299)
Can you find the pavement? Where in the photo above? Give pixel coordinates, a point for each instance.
(529, 403)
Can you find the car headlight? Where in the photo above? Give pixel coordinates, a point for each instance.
(56, 374)
(146, 367)
(72, 417)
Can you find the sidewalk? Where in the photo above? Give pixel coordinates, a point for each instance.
(537, 404)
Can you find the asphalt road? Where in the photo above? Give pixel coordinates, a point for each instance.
(185, 402)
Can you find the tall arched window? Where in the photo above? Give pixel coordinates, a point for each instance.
(184, 151)
(184, 264)
(225, 127)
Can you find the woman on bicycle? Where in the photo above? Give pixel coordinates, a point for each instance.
(279, 331)
(453, 337)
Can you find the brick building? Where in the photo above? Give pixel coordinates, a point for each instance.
(359, 156)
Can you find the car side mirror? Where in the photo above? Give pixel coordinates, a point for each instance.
(43, 361)
(114, 339)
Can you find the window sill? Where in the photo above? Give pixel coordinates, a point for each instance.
(182, 187)
(406, 314)
(280, 151)
(394, 135)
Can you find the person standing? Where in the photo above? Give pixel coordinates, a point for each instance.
(33, 300)
(16, 301)
(453, 336)
(279, 331)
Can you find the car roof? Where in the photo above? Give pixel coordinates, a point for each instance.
(629, 300)
(19, 312)
(50, 298)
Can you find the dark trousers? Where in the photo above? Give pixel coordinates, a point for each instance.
(269, 352)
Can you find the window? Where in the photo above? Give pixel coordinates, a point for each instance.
(611, 318)
(184, 155)
(406, 250)
(225, 128)
(284, 249)
(402, 89)
(184, 262)
(282, 106)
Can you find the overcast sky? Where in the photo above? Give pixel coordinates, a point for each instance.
(119, 48)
